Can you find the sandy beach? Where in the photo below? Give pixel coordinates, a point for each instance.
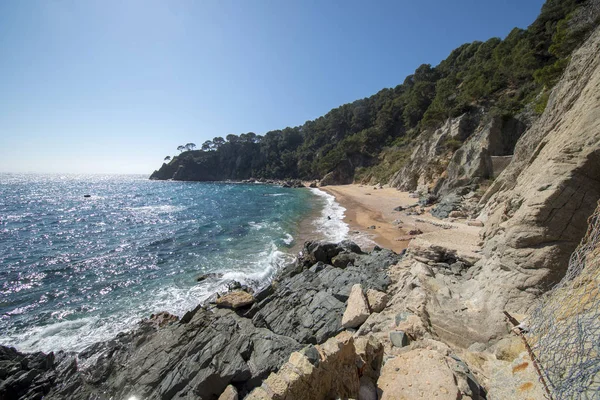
(367, 207)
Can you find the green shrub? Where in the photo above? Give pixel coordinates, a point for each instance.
(452, 144)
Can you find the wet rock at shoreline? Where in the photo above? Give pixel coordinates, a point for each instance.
(307, 304)
(210, 347)
(163, 318)
(22, 376)
(211, 275)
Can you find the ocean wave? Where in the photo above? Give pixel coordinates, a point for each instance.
(262, 270)
(331, 222)
(256, 226)
(63, 335)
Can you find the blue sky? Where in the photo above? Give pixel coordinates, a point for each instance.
(114, 86)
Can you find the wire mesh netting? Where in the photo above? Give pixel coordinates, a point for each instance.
(565, 327)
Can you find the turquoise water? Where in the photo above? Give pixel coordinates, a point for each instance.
(75, 270)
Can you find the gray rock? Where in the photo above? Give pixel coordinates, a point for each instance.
(207, 350)
(398, 338)
(312, 354)
(343, 259)
(368, 390)
(448, 204)
(401, 316)
(309, 306)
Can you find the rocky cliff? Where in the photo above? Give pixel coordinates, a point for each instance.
(536, 211)
(436, 166)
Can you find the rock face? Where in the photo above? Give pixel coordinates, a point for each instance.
(415, 373)
(24, 376)
(308, 304)
(478, 158)
(335, 374)
(537, 210)
(534, 215)
(377, 300)
(343, 174)
(357, 310)
(434, 168)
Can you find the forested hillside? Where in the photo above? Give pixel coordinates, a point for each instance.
(371, 138)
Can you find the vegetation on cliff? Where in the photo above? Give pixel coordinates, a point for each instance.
(376, 133)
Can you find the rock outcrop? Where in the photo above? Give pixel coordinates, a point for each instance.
(416, 373)
(343, 174)
(339, 370)
(235, 299)
(308, 303)
(210, 348)
(536, 212)
(434, 167)
(534, 215)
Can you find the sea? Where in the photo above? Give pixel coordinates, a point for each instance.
(84, 257)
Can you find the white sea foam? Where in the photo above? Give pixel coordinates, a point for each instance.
(262, 269)
(63, 335)
(289, 239)
(331, 222)
(255, 225)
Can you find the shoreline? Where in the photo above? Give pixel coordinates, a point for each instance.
(367, 208)
(395, 230)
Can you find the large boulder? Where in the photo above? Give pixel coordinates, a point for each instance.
(357, 310)
(377, 300)
(417, 372)
(235, 299)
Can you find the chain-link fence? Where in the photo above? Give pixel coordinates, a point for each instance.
(565, 327)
